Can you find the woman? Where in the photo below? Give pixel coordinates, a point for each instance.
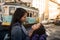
(18, 31)
(39, 34)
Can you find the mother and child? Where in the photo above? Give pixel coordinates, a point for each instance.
(19, 32)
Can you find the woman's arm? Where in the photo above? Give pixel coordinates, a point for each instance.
(33, 28)
(30, 32)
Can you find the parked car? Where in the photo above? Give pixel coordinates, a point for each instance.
(45, 22)
(51, 20)
(57, 20)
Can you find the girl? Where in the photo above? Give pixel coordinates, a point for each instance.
(39, 34)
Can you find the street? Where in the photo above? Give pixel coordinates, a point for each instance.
(53, 32)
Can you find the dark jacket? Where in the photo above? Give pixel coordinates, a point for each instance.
(18, 33)
(39, 37)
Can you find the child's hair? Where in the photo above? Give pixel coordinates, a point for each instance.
(40, 30)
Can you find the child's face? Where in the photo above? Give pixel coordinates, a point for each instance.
(36, 26)
(23, 19)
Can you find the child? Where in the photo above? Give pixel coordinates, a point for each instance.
(39, 34)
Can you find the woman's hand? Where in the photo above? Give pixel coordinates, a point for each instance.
(36, 26)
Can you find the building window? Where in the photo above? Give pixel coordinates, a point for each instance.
(11, 10)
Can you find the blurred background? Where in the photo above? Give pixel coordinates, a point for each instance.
(46, 12)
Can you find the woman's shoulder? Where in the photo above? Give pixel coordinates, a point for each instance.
(16, 24)
(16, 27)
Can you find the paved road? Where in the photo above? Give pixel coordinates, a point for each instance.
(53, 32)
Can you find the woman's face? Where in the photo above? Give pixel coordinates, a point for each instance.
(23, 19)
